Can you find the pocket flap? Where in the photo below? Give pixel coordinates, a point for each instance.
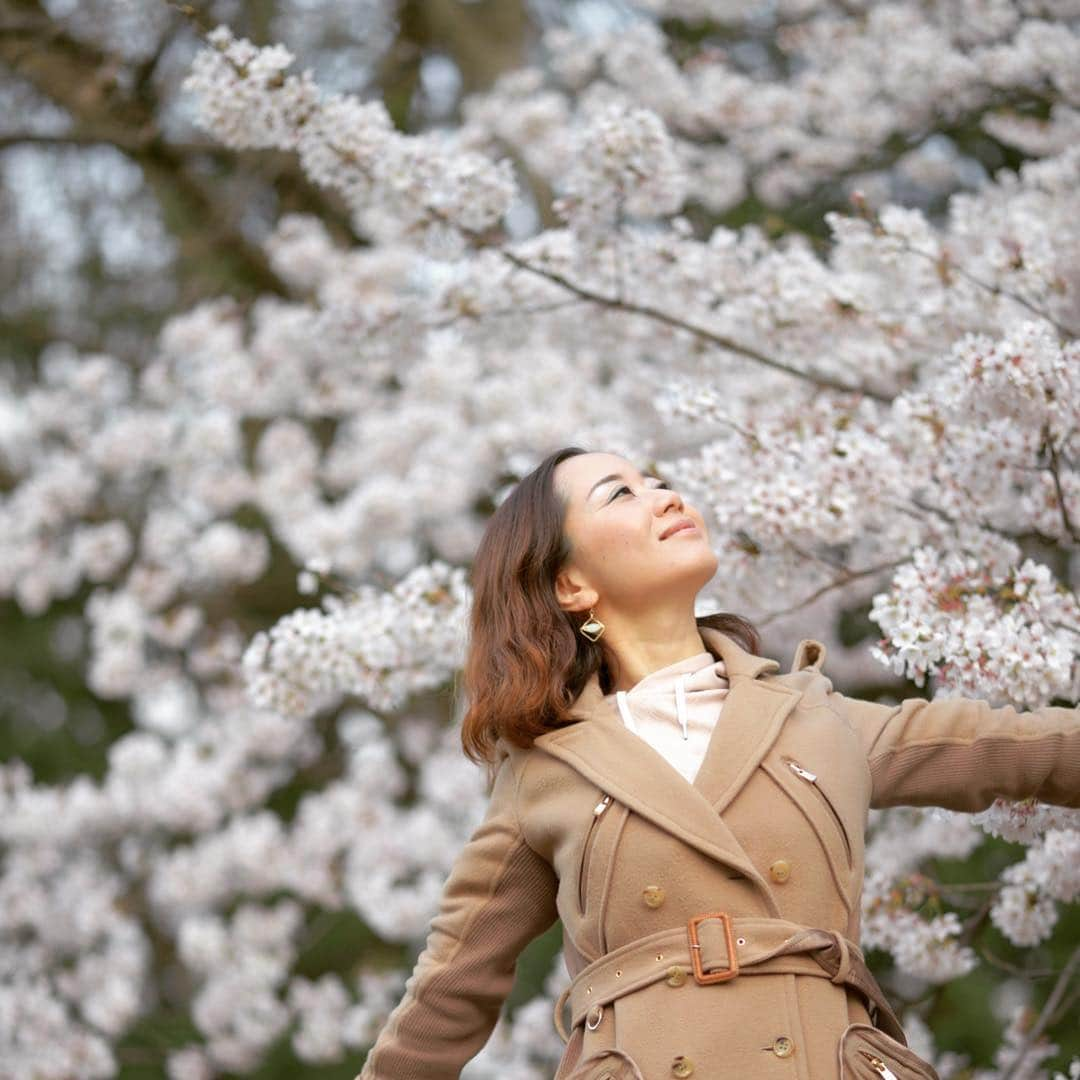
(867, 1053)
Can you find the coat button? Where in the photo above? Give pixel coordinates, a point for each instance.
(783, 1046)
(682, 1066)
(780, 870)
(676, 975)
(653, 895)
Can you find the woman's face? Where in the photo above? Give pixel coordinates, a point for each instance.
(624, 554)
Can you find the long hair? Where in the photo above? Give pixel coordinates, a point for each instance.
(526, 662)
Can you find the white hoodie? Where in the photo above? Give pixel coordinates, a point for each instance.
(675, 709)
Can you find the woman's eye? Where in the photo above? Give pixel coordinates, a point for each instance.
(622, 487)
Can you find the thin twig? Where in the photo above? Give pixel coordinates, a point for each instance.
(844, 579)
(969, 886)
(1013, 969)
(971, 925)
(658, 315)
(994, 290)
(1065, 520)
(1048, 1010)
(499, 313)
(198, 19)
(137, 142)
(1066, 1007)
(813, 556)
(984, 525)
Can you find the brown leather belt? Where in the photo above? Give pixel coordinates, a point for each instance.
(717, 947)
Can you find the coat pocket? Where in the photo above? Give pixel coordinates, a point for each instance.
(812, 782)
(586, 851)
(608, 1064)
(867, 1053)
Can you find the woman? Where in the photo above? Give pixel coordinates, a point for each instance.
(693, 816)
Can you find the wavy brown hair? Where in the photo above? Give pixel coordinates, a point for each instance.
(526, 662)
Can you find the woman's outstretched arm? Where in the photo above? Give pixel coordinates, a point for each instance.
(499, 896)
(961, 753)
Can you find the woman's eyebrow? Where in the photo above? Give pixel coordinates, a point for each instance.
(618, 476)
(603, 480)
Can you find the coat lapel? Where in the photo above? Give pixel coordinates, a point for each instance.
(602, 749)
(750, 721)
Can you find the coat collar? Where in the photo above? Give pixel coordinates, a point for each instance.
(601, 748)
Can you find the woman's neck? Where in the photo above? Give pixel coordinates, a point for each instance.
(629, 661)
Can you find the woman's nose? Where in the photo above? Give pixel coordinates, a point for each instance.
(668, 498)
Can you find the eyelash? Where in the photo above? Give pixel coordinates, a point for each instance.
(622, 487)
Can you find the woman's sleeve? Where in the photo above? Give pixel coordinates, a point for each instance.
(499, 896)
(961, 753)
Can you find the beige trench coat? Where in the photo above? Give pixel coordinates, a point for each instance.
(593, 827)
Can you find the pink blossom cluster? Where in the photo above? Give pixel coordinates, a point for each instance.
(377, 646)
(841, 81)
(1025, 910)
(982, 624)
(395, 184)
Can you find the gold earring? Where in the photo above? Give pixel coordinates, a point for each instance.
(592, 628)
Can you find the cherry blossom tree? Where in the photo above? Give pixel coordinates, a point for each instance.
(817, 262)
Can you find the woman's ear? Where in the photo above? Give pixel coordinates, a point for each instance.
(572, 593)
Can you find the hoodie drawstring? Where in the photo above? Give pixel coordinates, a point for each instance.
(680, 704)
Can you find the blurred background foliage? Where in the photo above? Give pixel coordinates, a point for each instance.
(116, 212)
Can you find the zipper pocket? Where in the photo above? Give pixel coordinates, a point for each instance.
(598, 811)
(811, 779)
(878, 1065)
(867, 1051)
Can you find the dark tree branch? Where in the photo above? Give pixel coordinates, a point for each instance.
(657, 315)
(81, 80)
(1040, 1025)
(1055, 472)
(947, 266)
(845, 577)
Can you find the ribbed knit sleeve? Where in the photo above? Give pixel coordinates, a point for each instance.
(960, 753)
(499, 896)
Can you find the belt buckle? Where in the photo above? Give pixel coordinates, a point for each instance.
(695, 949)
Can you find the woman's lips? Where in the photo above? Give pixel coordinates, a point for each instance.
(686, 525)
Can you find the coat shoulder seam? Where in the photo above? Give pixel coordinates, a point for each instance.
(519, 778)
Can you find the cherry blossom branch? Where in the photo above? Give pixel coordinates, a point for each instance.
(657, 315)
(1043, 1020)
(502, 313)
(1066, 1008)
(1013, 969)
(1053, 469)
(996, 530)
(845, 578)
(61, 68)
(138, 141)
(821, 195)
(945, 265)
